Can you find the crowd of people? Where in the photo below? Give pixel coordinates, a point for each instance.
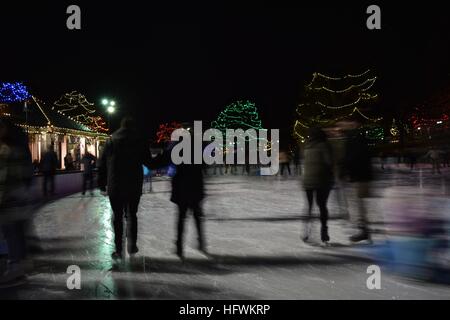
(327, 164)
(48, 168)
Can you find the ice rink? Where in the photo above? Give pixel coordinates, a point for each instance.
(253, 228)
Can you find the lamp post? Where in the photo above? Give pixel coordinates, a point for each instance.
(110, 108)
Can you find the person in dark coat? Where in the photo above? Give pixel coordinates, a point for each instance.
(318, 177)
(358, 168)
(88, 162)
(68, 162)
(188, 193)
(121, 171)
(49, 164)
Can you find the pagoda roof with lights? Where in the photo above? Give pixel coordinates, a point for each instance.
(35, 115)
(41, 117)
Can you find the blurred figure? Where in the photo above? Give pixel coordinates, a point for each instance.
(218, 166)
(358, 168)
(284, 162)
(318, 177)
(446, 157)
(214, 165)
(296, 159)
(121, 171)
(49, 163)
(187, 194)
(147, 179)
(338, 142)
(417, 230)
(246, 166)
(16, 171)
(88, 162)
(68, 162)
(77, 158)
(412, 159)
(383, 157)
(231, 167)
(36, 166)
(434, 155)
(399, 157)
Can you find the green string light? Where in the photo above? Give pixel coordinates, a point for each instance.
(238, 115)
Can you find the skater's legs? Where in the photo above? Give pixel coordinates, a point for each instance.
(132, 223)
(198, 217)
(322, 198)
(182, 210)
(118, 207)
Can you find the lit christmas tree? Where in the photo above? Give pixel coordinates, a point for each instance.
(75, 106)
(432, 117)
(165, 131)
(238, 115)
(328, 100)
(11, 92)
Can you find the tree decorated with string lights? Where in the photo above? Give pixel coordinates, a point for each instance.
(11, 92)
(432, 116)
(75, 106)
(96, 123)
(238, 115)
(327, 100)
(165, 131)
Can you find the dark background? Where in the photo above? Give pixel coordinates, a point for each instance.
(186, 62)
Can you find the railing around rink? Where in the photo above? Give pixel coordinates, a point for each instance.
(66, 183)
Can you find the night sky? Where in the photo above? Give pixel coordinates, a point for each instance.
(187, 62)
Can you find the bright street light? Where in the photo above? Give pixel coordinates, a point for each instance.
(110, 109)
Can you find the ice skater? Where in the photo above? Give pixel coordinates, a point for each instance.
(88, 162)
(435, 157)
(121, 172)
(358, 169)
(49, 164)
(318, 178)
(284, 159)
(187, 194)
